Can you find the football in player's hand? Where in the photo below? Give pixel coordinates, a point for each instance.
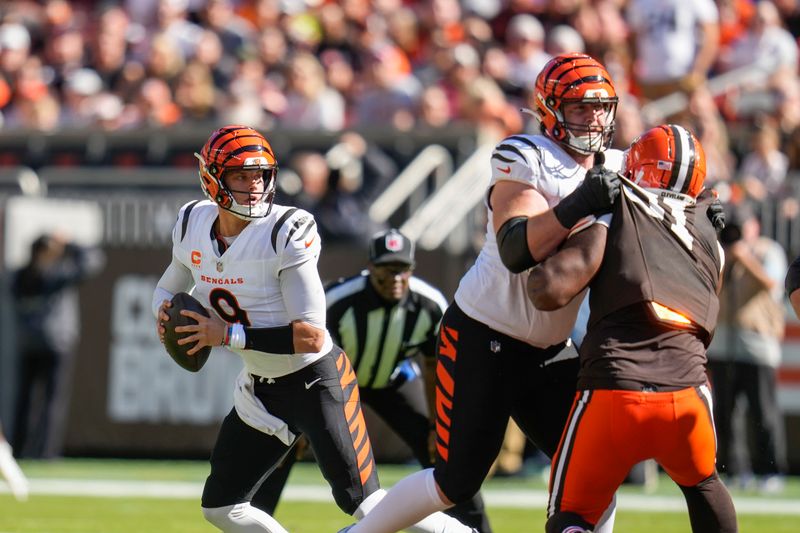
(182, 301)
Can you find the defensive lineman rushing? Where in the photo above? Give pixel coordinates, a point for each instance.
(654, 274)
(254, 264)
(496, 351)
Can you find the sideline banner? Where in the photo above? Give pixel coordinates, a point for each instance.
(130, 399)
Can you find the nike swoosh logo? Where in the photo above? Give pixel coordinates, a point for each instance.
(309, 385)
(308, 243)
(506, 170)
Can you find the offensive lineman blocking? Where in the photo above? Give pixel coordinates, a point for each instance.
(496, 352)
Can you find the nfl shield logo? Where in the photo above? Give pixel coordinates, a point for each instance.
(394, 242)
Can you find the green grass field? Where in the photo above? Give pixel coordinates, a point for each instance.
(77, 496)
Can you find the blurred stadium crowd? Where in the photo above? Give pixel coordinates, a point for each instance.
(332, 66)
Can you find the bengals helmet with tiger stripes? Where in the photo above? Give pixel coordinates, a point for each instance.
(575, 78)
(240, 148)
(667, 157)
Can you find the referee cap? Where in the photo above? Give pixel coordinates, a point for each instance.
(391, 246)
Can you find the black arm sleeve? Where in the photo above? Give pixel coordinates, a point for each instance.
(272, 340)
(792, 281)
(512, 242)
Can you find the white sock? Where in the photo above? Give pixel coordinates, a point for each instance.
(606, 522)
(369, 504)
(412, 504)
(10, 470)
(242, 518)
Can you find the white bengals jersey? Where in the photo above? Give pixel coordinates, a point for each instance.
(489, 292)
(242, 284)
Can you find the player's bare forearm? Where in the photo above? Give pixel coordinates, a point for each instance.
(556, 281)
(307, 338)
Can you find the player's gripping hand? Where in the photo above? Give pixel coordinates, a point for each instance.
(162, 317)
(594, 196)
(209, 331)
(715, 211)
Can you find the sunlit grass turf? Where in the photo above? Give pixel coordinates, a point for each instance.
(78, 514)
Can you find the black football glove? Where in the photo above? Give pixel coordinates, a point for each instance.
(716, 213)
(595, 196)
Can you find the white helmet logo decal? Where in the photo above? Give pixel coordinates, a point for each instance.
(394, 242)
(253, 161)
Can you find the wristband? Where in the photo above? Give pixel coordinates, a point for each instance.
(237, 338)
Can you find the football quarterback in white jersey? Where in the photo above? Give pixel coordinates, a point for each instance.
(253, 265)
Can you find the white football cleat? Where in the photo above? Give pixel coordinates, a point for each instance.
(10, 470)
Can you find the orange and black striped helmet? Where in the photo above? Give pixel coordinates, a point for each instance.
(575, 78)
(667, 157)
(241, 148)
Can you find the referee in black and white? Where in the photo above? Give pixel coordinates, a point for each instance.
(383, 318)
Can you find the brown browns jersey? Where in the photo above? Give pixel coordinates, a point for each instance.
(659, 249)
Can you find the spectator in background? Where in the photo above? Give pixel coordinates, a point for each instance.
(234, 32)
(33, 105)
(771, 52)
(563, 39)
(80, 89)
(433, 110)
(674, 43)
(310, 103)
(389, 90)
(164, 60)
(525, 49)
(746, 352)
(107, 111)
(64, 52)
(108, 46)
(209, 52)
(48, 324)
(762, 172)
(195, 93)
(15, 46)
(173, 21)
(706, 122)
(154, 106)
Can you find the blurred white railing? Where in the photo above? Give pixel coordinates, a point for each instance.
(433, 159)
(752, 77)
(445, 209)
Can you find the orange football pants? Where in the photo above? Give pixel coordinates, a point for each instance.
(609, 431)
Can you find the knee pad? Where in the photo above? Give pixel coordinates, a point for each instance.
(564, 522)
